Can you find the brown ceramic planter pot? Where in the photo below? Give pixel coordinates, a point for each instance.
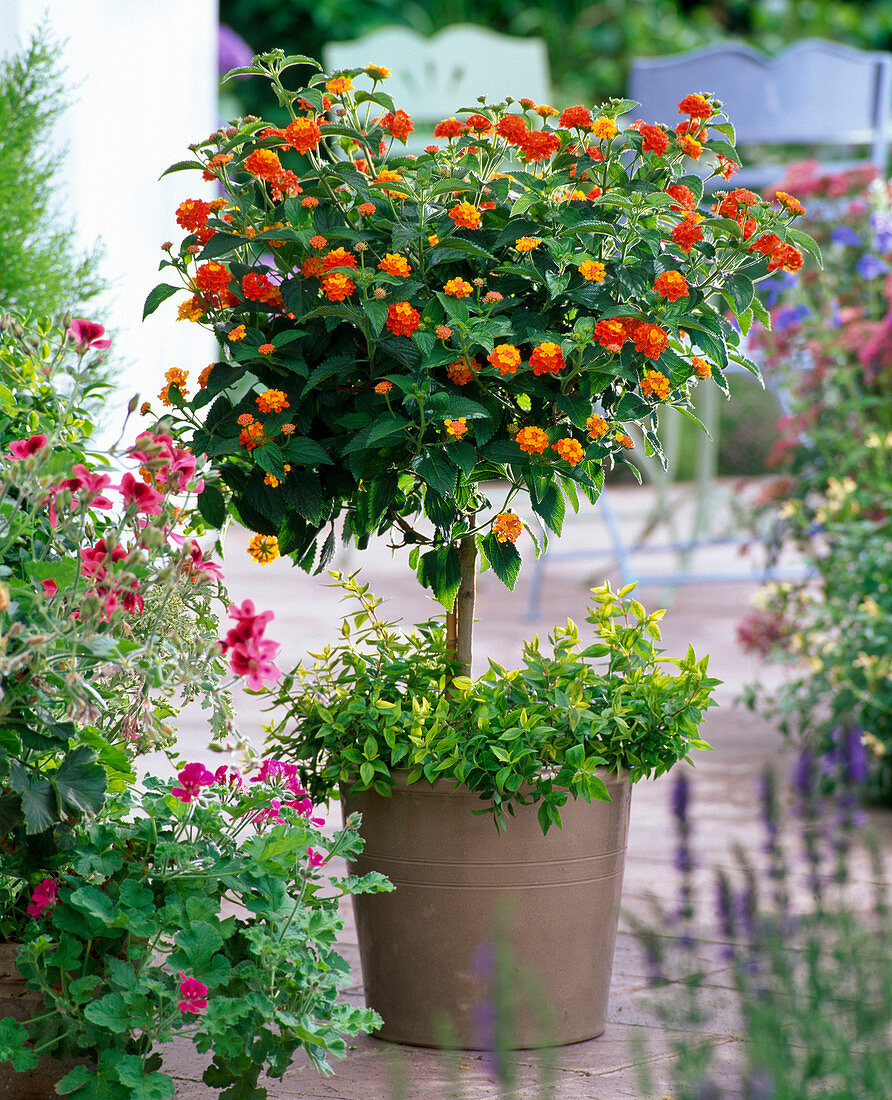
(20, 1002)
(462, 887)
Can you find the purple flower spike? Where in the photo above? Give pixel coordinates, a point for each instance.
(869, 267)
(681, 795)
(846, 236)
(789, 316)
(855, 757)
(804, 774)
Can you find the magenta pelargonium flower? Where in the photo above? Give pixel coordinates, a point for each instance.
(198, 565)
(250, 654)
(193, 994)
(43, 897)
(193, 777)
(228, 776)
(88, 334)
(178, 470)
(20, 449)
(140, 496)
(270, 815)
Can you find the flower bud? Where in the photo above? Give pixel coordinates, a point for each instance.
(4, 597)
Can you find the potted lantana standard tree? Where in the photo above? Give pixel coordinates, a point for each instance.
(400, 333)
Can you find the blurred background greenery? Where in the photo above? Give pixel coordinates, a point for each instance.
(590, 42)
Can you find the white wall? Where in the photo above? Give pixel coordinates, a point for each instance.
(146, 76)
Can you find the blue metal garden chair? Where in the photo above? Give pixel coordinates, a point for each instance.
(815, 93)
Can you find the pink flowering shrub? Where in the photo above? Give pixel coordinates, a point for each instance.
(109, 608)
(154, 883)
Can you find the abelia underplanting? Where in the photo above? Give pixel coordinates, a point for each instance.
(531, 274)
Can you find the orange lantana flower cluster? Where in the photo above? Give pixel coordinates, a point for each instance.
(336, 287)
(272, 401)
(650, 340)
(547, 358)
(671, 285)
(465, 215)
(458, 288)
(507, 527)
(263, 548)
(532, 440)
(252, 435)
(506, 357)
(655, 384)
(461, 372)
(570, 450)
(610, 334)
(456, 428)
(592, 271)
(402, 319)
(174, 377)
(396, 265)
(597, 426)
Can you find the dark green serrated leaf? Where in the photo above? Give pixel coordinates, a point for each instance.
(504, 559)
(156, 296)
(438, 471)
(440, 571)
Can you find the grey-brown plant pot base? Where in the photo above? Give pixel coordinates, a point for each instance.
(516, 927)
(21, 1003)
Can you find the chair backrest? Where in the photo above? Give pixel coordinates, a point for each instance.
(432, 77)
(814, 92)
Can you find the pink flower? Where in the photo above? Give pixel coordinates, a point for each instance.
(43, 897)
(84, 482)
(88, 485)
(179, 470)
(50, 588)
(271, 770)
(228, 776)
(88, 334)
(132, 600)
(196, 563)
(193, 777)
(193, 994)
(253, 660)
(271, 815)
(144, 497)
(21, 449)
(94, 558)
(250, 654)
(316, 858)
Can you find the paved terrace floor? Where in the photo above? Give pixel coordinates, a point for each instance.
(724, 805)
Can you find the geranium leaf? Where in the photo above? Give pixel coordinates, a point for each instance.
(80, 781)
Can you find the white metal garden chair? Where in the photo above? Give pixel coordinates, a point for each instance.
(432, 78)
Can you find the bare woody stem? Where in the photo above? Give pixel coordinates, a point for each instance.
(460, 620)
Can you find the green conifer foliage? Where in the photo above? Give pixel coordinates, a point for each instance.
(43, 270)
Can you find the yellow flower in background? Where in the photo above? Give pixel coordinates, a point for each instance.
(263, 548)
